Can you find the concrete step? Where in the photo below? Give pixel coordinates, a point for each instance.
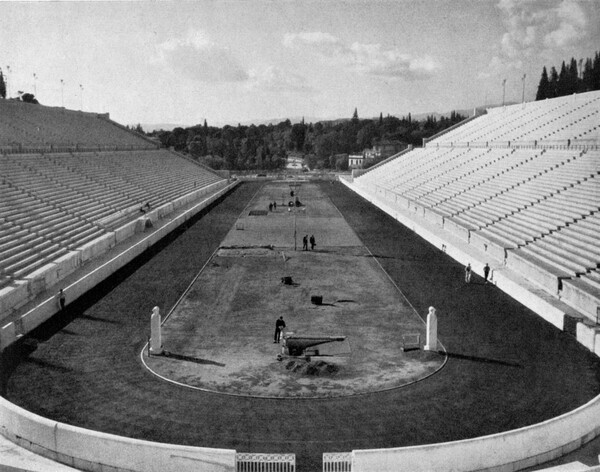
(575, 241)
(530, 219)
(519, 231)
(587, 260)
(552, 259)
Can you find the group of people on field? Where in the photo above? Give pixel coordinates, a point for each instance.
(306, 240)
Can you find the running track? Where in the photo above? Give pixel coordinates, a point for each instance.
(507, 368)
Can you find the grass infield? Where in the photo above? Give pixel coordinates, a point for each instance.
(506, 367)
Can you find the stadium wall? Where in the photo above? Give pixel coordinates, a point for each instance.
(509, 451)
(89, 450)
(37, 283)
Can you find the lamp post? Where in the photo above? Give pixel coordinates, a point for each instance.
(503, 90)
(34, 84)
(62, 92)
(81, 96)
(523, 95)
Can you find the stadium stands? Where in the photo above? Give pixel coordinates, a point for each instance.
(69, 179)
(56, 202)
(26, 127)
(572, 119)
(520, 183)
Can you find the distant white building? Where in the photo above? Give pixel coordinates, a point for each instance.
(385, 149)
(379, 151)
(356, 161)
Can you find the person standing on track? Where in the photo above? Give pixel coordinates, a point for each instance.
(468, 274)
(61, 299)
(305, 243)
(313, 243)
(279, 326)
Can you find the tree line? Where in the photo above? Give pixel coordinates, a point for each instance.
(266, 147)
(571, 78)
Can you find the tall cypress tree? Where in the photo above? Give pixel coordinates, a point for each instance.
(563, 81)
(553, 84)
(544, 86)
(2, 85)
(596, 72)
(587, 79)
(573, 76)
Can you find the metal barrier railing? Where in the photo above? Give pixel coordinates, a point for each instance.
(256, 462)
(337, 462)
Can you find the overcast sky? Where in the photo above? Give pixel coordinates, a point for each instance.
(240, 61)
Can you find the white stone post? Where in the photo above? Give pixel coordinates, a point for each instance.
(431, 342)
(155, 334)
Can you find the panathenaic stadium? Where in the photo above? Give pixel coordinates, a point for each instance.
(160, 356)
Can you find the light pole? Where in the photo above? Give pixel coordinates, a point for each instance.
(34, 84)
(523, 96)
(62, 92)
(81, 96)
(503, 90)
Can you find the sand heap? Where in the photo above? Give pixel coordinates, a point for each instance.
(315, 369)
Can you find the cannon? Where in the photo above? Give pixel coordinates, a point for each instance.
(312, 346)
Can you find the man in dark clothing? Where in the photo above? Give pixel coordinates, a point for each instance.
(486, 272)
(279, 325)
(305, 243)
(61, 299)
(312, 242)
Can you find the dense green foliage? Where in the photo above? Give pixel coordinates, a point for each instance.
(266, 147)
(571, 78)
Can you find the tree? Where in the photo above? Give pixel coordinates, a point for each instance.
(573, 77)
(2, 85)
(544, 86)
(553, 88)
(596, 72)
(365, 136)
(562, 86)
(587, 76)
(29, 98)
(298, 136)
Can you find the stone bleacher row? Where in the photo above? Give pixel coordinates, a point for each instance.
(26, 125)
(573, 119)
(53, 203)
(536, 209)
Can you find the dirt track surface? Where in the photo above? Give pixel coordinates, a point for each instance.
(220, 336)
(507, 368)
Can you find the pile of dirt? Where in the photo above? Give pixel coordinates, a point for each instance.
(314, 369)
